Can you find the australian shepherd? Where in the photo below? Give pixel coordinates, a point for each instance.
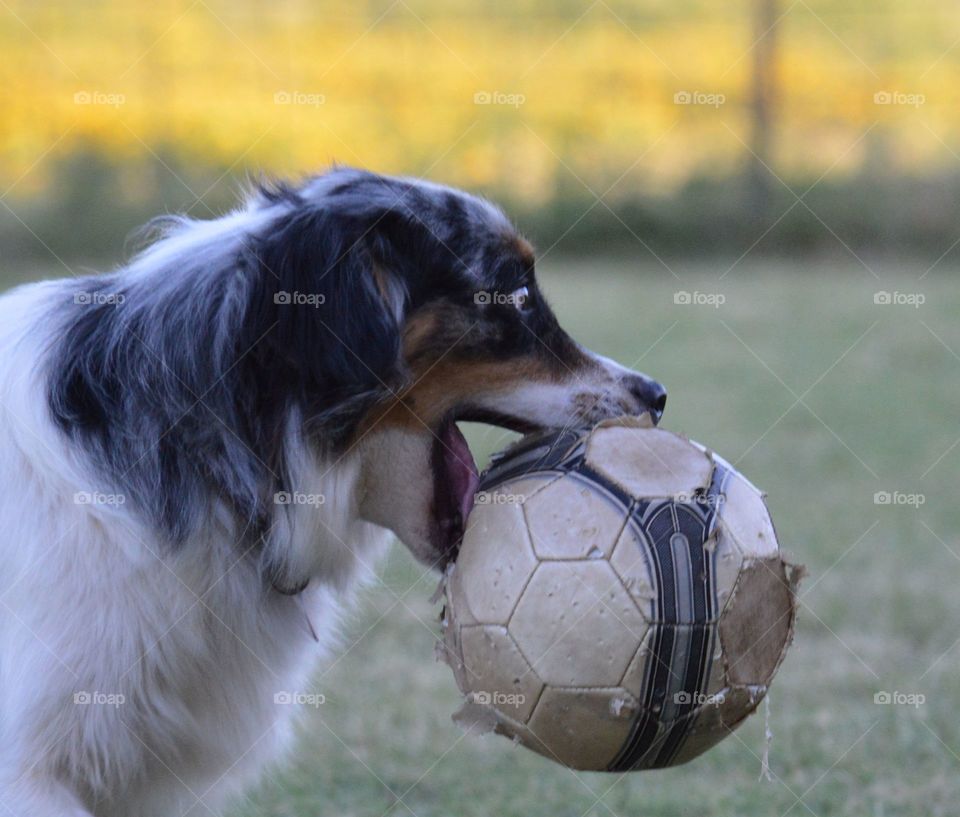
(202, 452)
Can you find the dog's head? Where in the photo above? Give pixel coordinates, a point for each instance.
(353, 319)
(438, 319)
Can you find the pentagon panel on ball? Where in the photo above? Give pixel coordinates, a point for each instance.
(619, 600)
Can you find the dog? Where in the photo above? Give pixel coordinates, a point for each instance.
(203, 452)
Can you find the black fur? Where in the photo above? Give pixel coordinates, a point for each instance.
(181, 394)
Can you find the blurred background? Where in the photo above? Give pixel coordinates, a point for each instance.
(755, 202)
(696, 125)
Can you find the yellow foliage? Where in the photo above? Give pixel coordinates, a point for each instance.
(514, 100)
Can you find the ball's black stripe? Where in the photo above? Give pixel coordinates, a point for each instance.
(537, 454)
(685, 598)
(698, 656)
(654, 521)
(661, 688)
(661, 521)
(655, 528)
(700, 659)
(645, 727)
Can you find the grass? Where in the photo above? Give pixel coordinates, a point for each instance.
(822, 398)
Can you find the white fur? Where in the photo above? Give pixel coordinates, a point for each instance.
(192, 644)
(184, 652)
(590, 393)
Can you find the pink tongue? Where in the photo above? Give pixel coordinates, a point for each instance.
(464, 479)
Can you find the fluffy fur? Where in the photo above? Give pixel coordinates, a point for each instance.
(203, 452)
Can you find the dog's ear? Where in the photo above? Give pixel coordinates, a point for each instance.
(330, 314)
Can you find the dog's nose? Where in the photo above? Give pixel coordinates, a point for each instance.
(651, 395)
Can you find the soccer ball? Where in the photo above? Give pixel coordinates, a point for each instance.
(619, 600)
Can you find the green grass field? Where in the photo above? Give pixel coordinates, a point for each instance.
(823, 398)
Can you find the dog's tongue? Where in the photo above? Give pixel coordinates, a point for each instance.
(462, 470)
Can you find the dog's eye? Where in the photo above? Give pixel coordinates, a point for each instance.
(520, 298)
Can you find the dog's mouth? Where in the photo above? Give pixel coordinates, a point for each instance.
(456, 476)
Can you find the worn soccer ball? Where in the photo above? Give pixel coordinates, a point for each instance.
(619, 600)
